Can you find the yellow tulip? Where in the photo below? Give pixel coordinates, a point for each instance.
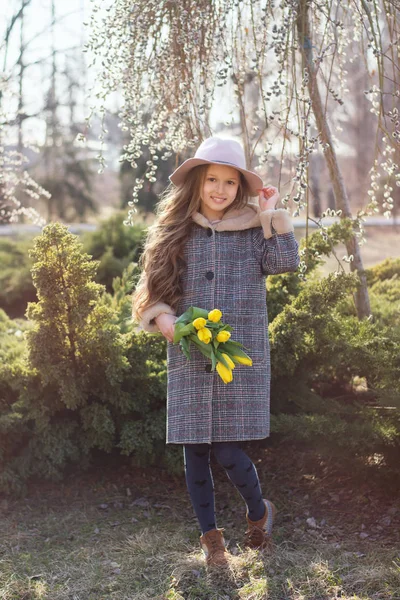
(204, 335)
(243, 361)
(224, 373)
(199, 323)
(215, 315)
(228, 360)
(223, 336)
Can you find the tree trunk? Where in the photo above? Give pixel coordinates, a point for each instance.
(342, 201)
(315, 173)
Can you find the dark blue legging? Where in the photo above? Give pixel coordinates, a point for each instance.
(240, 470)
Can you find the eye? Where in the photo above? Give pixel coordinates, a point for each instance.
(211, 178)
(232, 182)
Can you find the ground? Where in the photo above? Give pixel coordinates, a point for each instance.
(119, 532)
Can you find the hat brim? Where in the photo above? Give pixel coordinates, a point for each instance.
(178, 176)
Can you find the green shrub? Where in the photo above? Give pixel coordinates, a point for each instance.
(16, 285)
(317, 352)
(385, 301)
(387, 269)
(283, 289)
(15, 375)
(86, 380)
(115, 246)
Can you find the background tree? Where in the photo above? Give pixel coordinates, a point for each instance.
(57, 108)
(14, 177)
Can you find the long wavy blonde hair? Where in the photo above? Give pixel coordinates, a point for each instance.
(162, 261)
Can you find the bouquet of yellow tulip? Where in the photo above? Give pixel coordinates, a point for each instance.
(212, 337)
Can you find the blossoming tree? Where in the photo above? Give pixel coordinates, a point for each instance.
(275, 70)
(15, 179)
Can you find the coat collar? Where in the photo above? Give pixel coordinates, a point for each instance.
(233, 220)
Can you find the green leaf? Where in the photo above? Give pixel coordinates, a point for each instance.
(182, 330)
(177, 332)
(215, 344)
(205, 349)
(225, 327)
(199, 312)
(213, 361)
(185, 317)
(231, 345)
(184, 343)
(222, 359)
(233, 350)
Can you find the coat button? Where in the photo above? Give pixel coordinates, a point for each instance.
(209, 232)
(208, 369)
(209, 275)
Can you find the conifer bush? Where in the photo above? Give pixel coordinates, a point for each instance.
(73, 345)
(87, 380)
(320, 350)
(317, 352)
(15, 375)
(115, 246)
(16, 285)
(387, 269)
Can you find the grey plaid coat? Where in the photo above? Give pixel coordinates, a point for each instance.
(227, 265)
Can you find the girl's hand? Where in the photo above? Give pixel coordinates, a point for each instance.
(268, 197)
(166, 324)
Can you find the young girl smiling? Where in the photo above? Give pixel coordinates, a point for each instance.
(211, 246)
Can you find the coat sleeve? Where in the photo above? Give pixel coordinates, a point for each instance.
(147, 322)
(148, 315)
(275, 246)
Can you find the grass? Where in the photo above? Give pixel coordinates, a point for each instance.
(130, 534)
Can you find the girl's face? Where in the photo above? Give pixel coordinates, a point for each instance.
(220, 187)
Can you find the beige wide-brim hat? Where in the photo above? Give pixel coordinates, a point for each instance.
(220, 151)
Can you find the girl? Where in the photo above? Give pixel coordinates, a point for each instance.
(211, 247)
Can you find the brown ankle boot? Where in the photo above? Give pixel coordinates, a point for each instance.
(258, 534)
(213, 545)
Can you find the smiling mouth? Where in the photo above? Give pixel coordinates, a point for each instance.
(216, 199)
